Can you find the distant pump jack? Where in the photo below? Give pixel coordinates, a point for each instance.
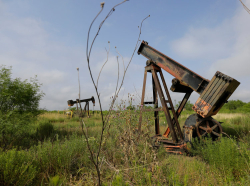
(86, 107)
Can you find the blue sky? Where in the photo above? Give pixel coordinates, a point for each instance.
(48, 39)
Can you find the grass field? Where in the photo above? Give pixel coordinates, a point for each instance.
(54, 152)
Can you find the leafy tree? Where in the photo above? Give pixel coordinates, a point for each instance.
(19, 106)
(188, 105)
(234, 104)
(130, 107)
(72, 108)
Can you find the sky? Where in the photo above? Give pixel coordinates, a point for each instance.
(48, 39)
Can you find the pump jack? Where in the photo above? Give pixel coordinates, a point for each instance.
(86, 107)
(213, 95)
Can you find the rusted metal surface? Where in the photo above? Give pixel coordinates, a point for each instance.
(175, 118)
(186, 76)
(177, 86)
(176, 133)
(209, 127)
(189, 128)
(213, 95)
(216, 94)
(196, 126)
(142, 98)
(180, 107)
(188, 133)
(175, 148)
(164, 106)
(182, 104)
(166, 133)
(156, 112)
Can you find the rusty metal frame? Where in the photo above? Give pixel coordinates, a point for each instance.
(213, 94)
(179, 110)
(173, 124)
(185, 75)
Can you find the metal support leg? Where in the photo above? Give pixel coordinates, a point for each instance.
(88, 109)
(156, 112)
(142, 99)
(178, 111)
(164, 106)
(175, 119)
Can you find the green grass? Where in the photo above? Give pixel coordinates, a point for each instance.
(54, 152)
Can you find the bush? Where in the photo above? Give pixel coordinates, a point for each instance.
(19, 101)
(45, 130)
(234, 104)
(188, 105)
(19, 96)
(16, 168)
(229, 157)
(41, 164)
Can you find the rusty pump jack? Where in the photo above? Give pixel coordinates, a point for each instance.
(86, 107)
(213, 95)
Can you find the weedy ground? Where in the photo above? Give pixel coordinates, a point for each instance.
(54, 152)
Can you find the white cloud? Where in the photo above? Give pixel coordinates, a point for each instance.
(52, 77)
(28, 47)
(238, 62)
(198, 43)
(224, 47)
(159, 39)
(1, 7)
(110, 68)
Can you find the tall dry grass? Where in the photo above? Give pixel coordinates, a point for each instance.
(229, 115)
(61, 158)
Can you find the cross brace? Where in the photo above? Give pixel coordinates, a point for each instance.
(173, 124)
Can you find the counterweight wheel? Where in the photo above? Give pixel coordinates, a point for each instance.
(209, 127)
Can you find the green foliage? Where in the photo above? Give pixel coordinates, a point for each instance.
(45, 130)
(72, 108)
(43, 163)
(61, 156)
(16, 95)
(238, 127)
(16, 168)
(68, 158)
(234, 104)
(55, 180)
(118, 181)
(226, 155)
(188, 105)
(130, 107)
(19, 101)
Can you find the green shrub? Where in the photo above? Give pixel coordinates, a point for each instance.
(16, 168)
(19, 101)
(238, 127)
(45, 130)
(234, 104)
(66, 158)
(119, 181)
(188, 105)
(228, 156)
